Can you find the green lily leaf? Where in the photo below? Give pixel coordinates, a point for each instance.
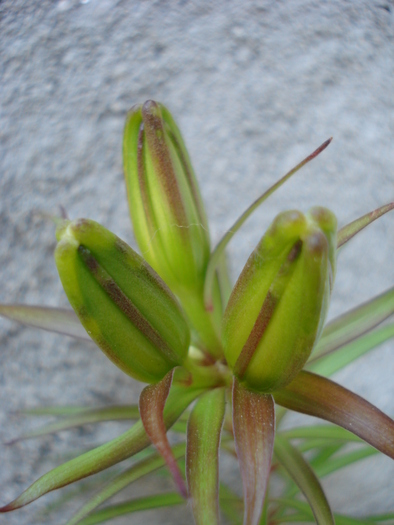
(134, 473)
(325, 454)
(218, 252)
(231, 505)
(343, 460)
(303, 475)
(152, 401)
(57, 320)
(351, 325)
(322, 467)
(317, 396)
(328, 364)
(351, 229)
(254, 432)
(202, 458)
(150, 502)
(329, 432)
(339, 518)
(103, 457)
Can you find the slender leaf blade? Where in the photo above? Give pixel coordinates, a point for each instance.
(103, 457)
(351, 325)
(58, 320)
(303, 475)
(231, 505)
(202, 457)
(254, 432)
(351, 229)
(329, 432)
(318, 396)
(149, 502)
(134, 473)
(221, 246)
(330, 363)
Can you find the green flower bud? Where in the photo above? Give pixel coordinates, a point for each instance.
(166, 209)
(277, 308)
(122, 303)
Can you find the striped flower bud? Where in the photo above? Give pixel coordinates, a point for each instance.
(122, 303)
(277, 308)
(165, 204)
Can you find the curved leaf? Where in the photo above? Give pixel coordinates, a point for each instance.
(317, 396)
(202, 457)
(254, 432)
(351, 229)
(103, 457)
(217, 253)
(137, 471)
(351, 325)
(150, 502)
(57, 320)
(303, 475)
(328, 364)
(329, 432)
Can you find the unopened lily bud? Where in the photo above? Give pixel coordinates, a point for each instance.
(165, 204)
(277, 308)
(122, 303)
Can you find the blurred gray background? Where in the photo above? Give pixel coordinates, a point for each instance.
(255, 86)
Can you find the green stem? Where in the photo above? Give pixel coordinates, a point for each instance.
(204, 322)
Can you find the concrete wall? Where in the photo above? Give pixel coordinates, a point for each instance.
(255, 86)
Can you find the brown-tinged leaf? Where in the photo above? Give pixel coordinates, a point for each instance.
(202, 456)
(318, 396)
(152, 401)
(254, 432)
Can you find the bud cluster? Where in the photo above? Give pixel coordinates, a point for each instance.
(276, 309)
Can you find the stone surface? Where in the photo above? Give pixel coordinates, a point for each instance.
(255, 87)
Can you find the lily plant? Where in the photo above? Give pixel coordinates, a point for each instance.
(223, 365)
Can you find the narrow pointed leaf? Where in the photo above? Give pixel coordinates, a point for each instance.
(57, 320)
(303, 475)
(152, 401)
(328, 364)
(202, 458)
(231, 505)
(254, 432)
(149, 502)
(322, 467)
(86, 417)
(317, 396)
(103, 457)
(134, 473)
(221, 246)
(324, 447)
(329, 432)
(343, 460)
(339, 518)
(351, 229)
(351, 325)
